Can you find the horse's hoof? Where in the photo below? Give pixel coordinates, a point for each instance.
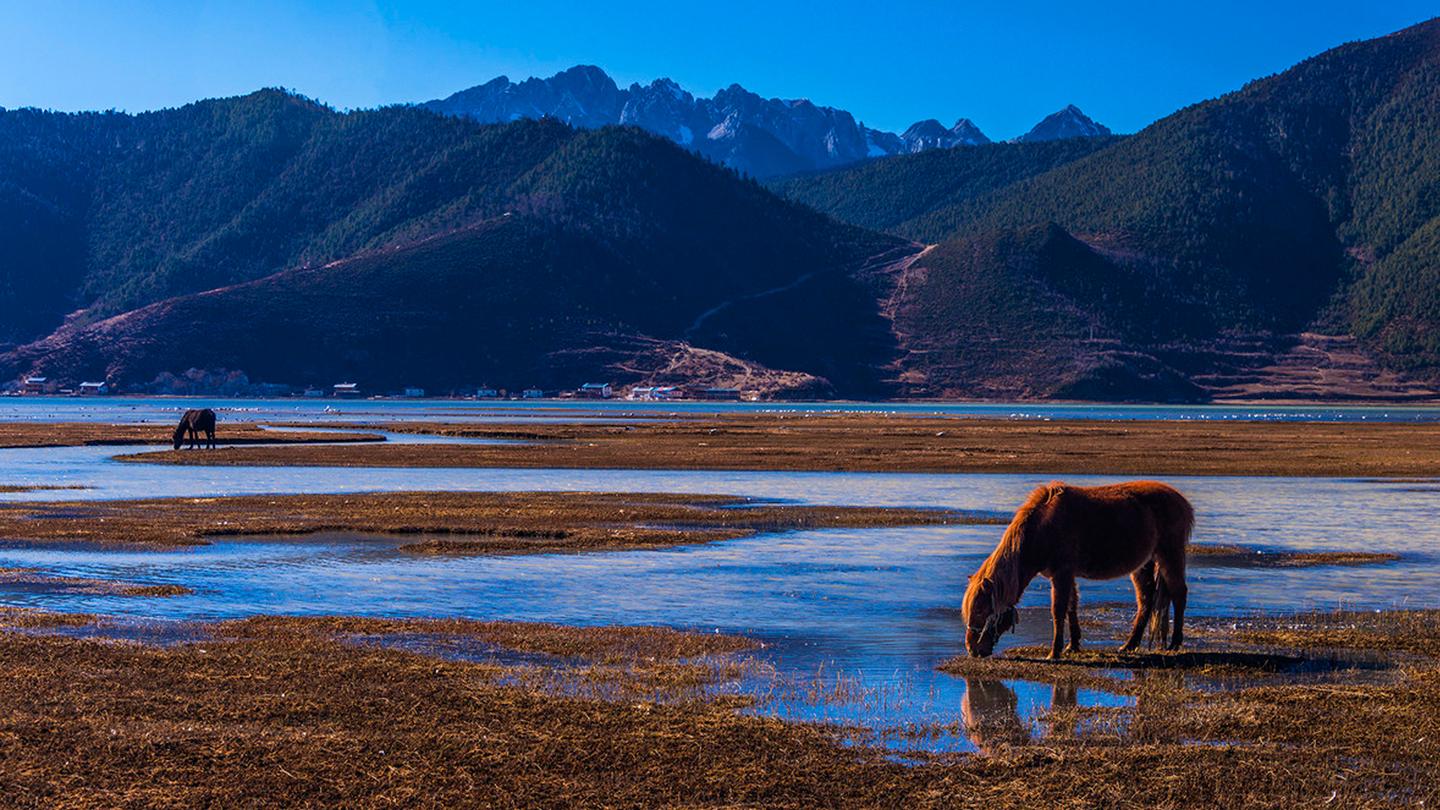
(1072, 648)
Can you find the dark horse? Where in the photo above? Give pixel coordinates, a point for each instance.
(196, 421)
(1138, 528)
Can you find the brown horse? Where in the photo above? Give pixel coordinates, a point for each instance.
(196, 421)
(1138, 528)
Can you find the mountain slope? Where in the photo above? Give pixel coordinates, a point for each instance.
(1259, 208)
(515, 301)
(890, 193)
(229, 190)
(1234, 248)
(555, 235)
(1305, 201)
(1026, 313)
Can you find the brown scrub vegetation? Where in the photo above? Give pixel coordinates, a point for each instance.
(888, 443)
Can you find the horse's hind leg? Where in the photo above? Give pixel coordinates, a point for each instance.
(1144, 580)
(1074, 645)
(1172, 570)
(1062, 589)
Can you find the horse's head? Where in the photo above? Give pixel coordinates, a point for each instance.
(180, 434)
(987, 617)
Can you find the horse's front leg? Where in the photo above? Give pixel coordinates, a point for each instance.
(1061, 588)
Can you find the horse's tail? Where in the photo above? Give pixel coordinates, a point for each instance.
(1178, 521)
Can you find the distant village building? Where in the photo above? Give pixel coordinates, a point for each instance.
(656, 392)
(533, 393)
(35, 384)
(486, 392)
(314, 392)
(415, 393)
(347, 389)
(94, 388)
(596, 391)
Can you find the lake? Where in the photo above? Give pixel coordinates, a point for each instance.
(877, 606)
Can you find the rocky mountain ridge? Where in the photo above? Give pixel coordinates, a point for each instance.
(755, 135)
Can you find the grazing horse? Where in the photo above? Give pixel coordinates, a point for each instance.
(196, 421)
(1138, 528)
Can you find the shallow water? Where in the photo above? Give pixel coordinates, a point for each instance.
(164, 410)
(854, 621)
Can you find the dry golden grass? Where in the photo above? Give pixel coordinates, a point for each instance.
(606, 644)
(30, 618)
(275, 711)
(869, 442)
(1225, 554)
(1416, 632)
(29, 488)
(1258, 733)
(66, 434)
(490, 522)
(35, 580)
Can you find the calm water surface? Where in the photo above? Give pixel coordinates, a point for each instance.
(165, 410)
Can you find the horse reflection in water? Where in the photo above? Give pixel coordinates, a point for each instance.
(991, 711)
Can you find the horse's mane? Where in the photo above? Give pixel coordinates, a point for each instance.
(1002, 567)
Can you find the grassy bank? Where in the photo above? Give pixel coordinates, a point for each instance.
(72, 434)
(878, 443)
(482, 522)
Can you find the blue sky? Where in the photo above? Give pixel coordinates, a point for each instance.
(1005, 65)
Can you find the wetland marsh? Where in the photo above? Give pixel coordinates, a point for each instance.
(843, 584)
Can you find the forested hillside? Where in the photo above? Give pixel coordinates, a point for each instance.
(1306, 200)
(1238, 247)
(889, 194)
(636, 237)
